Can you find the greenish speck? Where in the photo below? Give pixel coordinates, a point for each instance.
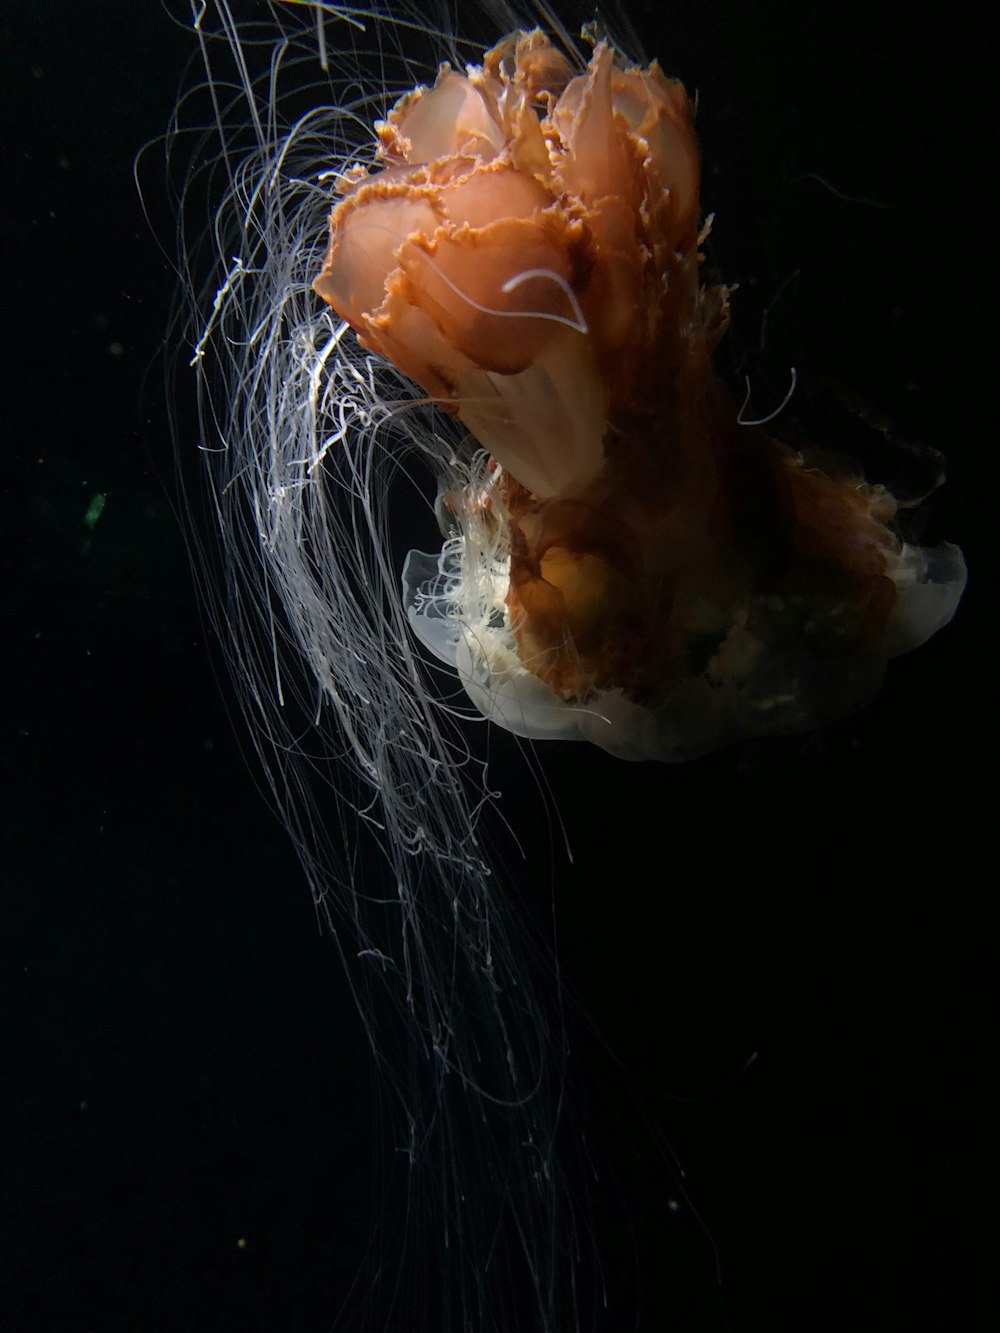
(94, 510)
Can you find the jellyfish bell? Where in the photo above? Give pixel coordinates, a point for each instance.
(636, 568)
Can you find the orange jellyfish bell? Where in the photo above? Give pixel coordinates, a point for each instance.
(628, 564)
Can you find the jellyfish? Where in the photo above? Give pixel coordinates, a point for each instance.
(436, 289)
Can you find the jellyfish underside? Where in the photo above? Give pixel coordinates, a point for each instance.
(629, 565)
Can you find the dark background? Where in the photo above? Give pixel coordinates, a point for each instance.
(183, 1087)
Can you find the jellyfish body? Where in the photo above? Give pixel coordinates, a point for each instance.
(635, 567)
(622, 561)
